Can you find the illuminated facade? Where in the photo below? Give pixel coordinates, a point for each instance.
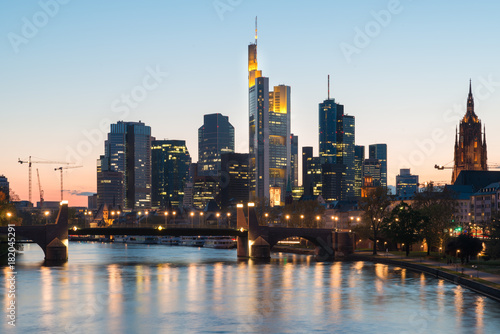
(307, 153)
(275, 196)
(379, 152)
(294, 162)
(470, 146)
(359, 159)
(234, 179)
(215, 137)
(170, 168)
(128, 151)
(372, 169)
(269, 131)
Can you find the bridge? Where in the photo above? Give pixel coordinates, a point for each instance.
(253, 240)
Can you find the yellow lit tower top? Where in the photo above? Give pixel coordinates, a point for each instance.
(253, 73)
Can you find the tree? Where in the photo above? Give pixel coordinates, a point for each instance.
(375, 209)
(493, 243)
(404, 225)
(468, 246)
(438, 205)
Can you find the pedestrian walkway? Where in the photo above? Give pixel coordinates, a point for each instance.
(465, 269)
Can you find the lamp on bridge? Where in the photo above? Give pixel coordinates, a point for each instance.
(192, 218)
(218, 220)
(166, 216)
(228, 219)
(317, 220)
(201, 218)
(287, 219)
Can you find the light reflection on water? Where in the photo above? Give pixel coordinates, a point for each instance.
(154, 288)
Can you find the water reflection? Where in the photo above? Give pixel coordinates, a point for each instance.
(136, 288)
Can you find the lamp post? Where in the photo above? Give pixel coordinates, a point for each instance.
(317, 221)
(166, 218)
(228, 219)
(192, 219)
(336, 223)
(267, 220)
(9, 214)
(201, 218)
(301, 220)
(287, 219)
(146, 213)
(218, 219)
(46, 213)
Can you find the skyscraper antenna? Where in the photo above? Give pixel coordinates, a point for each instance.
(328, 86)
(256, 30)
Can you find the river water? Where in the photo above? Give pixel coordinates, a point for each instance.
(120, 288)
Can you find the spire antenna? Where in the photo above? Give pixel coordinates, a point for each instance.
(256, 30)
(328, 86)
(470, 86)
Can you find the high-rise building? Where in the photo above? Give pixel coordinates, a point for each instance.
(234, 179)
(359, 159)
(4, 187)
(336, 146)
(128, 151)
(307, 153)
(110, 188)
(269, 131)
(315, 174)
(470, 146)
(406, 183)
(372, 168)
(379, 152)
(294, 162)
(170, 168)
(279, 138)
(215, 136)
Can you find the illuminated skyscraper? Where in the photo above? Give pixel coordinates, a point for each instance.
(269, 130)
(170, 168)
(294, 162)
(128, 151)
(359, 158)
(379, 152)
(406, 184)
(470, 148)
(215, 136)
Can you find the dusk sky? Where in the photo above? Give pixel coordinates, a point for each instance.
(402, 68)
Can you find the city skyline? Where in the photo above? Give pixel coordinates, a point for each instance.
(406, 87)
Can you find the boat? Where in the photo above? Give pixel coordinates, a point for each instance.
(171, 241)
(141, 239)
(193, 241)
(220, 242)
(120, 238)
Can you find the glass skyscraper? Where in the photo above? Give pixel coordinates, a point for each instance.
(359, 159)
(215, 136)
(379, 152)
(170, 168)
(128, 151)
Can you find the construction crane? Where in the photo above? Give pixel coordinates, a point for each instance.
(61, 169)
(40, 189)
(29, 162)
(490, 166)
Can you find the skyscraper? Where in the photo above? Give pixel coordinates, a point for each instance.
(170, 168)
(294, 162)
(336, 146)
(359, 159)
(406, 184)
(307, 153)
(269, 130)
(470, 148)
(379, 152)
(234, 179)
(128, 151)
(215, 136)
(372, 168)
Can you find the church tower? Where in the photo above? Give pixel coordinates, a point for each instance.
(470, 143)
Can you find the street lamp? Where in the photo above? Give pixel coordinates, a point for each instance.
(218, 218)
(336, 223)
(192, 218)
(46, 213)
(166, 218)
(317, 220)
(200, 218)
(287, 219)
(146, 213)
(174, 213)
(228, 219)
(8, 217)
(267, 220)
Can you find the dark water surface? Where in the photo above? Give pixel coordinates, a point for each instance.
(119, 288)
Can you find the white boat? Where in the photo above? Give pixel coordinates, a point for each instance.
(193, 241)
(141, 239)
(120, 238)
(171, 241)
(220, 242)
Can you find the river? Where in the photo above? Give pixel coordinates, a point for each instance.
(120, 288)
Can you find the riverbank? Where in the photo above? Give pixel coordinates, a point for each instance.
(480, 282)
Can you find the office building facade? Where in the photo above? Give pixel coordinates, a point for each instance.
(379, 152)
(406, 183)
(359, 159)
(215, 137)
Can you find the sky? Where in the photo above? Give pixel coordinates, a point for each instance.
(402, 68)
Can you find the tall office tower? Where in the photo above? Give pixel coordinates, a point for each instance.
(109, 184)
(359, 158)
(406, 184)
(294, 162)
(4, 187)
(269, 130)
(234, 179)
(336, 146)
(215, 136)
(379, 152)
(128, 151)
(470, 148)
(373, 168)
(170, 168)
(307, 153)
(279, 138)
